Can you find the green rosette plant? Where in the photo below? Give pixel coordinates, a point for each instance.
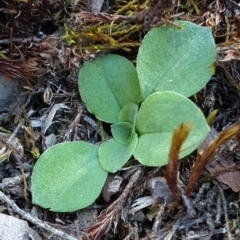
(143, 104)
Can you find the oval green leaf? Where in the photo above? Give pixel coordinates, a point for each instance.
(122, 132)
(114, 155)
(158, 116)
(128, 113)
(176, 59)
(67, 177)
(107, 84)
(153, 148)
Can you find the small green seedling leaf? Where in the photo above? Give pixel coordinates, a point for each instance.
(107, 84)
(114, 155)
(67, 177)
(122, 132)
(158, 116)
(128, 113)
(176, 59)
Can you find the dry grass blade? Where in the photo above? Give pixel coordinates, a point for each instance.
(209, 152)
(179, 136)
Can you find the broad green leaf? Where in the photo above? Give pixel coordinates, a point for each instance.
(67, 177)
(176, 59)
(122, 132)
(158, 116)
(153, 148)
(107, 84)
(114, 155)
(128, 113)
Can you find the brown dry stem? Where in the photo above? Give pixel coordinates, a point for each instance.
(179, 136)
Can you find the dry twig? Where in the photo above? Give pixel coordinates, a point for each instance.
(224, 209)
(33, 220)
